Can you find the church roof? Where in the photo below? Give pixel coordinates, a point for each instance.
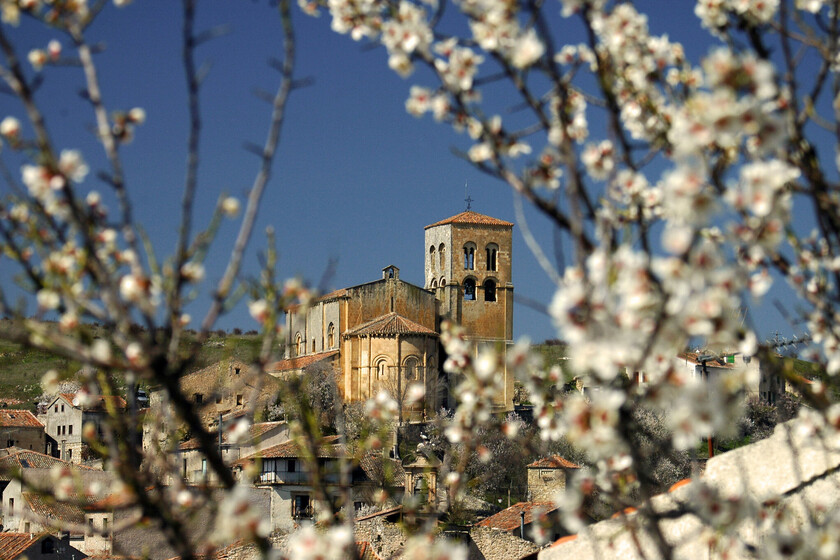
(553, 462)
(470, 217)
(389, 325)
(299, 362)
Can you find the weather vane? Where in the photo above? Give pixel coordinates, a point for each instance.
(467, 198)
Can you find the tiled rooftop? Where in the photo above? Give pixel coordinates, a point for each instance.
(328, 448)
(390, 325)
(255, 432)
(300, 362)
(10, 418)
(98, 402)
(470, 217)
(13, 545)
(509, 519)
(553, 462)
(27, 459)
(48, 508)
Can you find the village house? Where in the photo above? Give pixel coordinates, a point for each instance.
(26, 503)
(68, 413)
(294, 488)
(20, 428)
(547, 477)
(767, 387)
(225, 389)
(259, 436)
(383, 335)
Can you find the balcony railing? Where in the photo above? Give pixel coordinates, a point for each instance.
(285, 477)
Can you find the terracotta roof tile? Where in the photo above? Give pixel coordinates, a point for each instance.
(255, 432)
(117, 500)
(374, 468)
(98, 402)
(48, 508)
(564, 540)
(390, 325)
(470, 217)
(27, 459)
(328, 448)
(300, 362)
(509, 519)
(553, 462)
(10, 418)
(13, 545)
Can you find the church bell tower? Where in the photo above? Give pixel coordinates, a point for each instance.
(468, 264)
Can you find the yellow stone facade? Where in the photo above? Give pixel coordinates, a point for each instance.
(384, 335)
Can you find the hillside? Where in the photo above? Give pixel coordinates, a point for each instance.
(21, 368)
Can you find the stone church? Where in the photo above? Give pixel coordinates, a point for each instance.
(385, 334)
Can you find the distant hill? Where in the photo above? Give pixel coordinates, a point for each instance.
(21, 368)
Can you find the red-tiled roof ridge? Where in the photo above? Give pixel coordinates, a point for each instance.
(626, 511)
(679, 484)
(470, 217)
(564, 540)
(509, 519)
(99, 401)
(553, 462)
(299, 362)
(116, 500)
(388, 325)
(11, 417)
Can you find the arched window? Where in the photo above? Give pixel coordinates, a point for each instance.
(432, 263)
(410, 367)
(298, 344)
(313, 345)
(469, 256)
(442, 253)
(381, 368)
(434, 283)
(331, 336)
(492, 252)
(489, 290)
(469, 289)
(442, 282)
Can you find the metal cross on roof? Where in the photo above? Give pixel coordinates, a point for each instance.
(467, 198)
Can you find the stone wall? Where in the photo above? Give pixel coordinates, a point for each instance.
(386, 539)
(493, 544)
(545, 484)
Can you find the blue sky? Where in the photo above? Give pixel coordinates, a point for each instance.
(356, 178)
